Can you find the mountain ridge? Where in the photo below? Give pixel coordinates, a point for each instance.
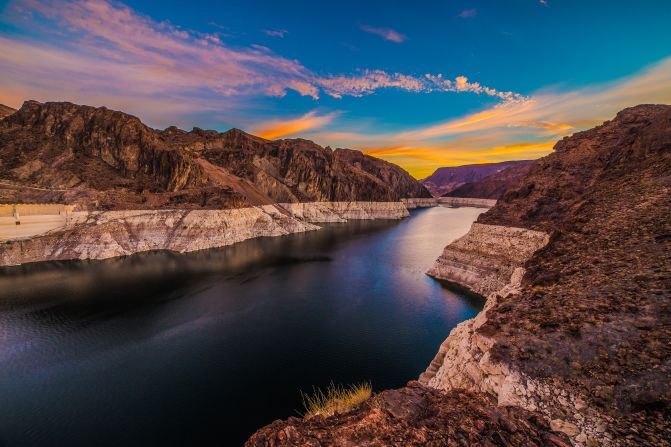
(104, 159)
(446, 179)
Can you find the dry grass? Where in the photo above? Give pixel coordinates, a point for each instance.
(336, 399)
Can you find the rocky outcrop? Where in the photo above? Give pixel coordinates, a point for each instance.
(445, 180)
(485, 259)
(415, 416)
(102, 159)
(493, 186)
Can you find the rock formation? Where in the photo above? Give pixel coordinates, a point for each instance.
(446, 180)
(575, 260)
(415, 416)
(106, 234)
(5, 111)
(102, 159)
(493, 186)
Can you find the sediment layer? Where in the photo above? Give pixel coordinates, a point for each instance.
(485, 259)
(106, 234)
(422, 202)
(344, 211)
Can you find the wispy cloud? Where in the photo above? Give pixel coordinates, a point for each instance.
(277, 129)
(543, 2)
(275, 32)
(468, 13)
(106, 53)
(372, 80)
(386, 33)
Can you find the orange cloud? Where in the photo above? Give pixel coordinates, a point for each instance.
(277, 129)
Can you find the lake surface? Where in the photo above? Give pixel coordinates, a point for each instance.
(205, 348)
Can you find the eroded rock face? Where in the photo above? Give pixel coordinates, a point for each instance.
(106, 234)
(486, 257)
(415, 416)
(344, 211)
(101, 235)
(580, 334)
(103, 159)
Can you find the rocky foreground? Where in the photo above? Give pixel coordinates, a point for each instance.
(574, 343)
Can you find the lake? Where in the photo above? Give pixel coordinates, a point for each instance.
(204, 348)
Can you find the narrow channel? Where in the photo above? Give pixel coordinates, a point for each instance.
(205, 348)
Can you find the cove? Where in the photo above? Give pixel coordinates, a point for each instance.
(204, 348)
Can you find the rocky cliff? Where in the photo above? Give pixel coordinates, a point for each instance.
(107, 234)
(446, 180)
(575, 261)
(103, 159)
(582, 336)
(493, 186)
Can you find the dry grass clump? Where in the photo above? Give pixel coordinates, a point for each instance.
(336, 399)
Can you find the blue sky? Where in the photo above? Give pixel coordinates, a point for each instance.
(422, 84)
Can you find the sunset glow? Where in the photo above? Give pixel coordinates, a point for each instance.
(373, 84)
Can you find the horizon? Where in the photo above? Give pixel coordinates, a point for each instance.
(422, 87)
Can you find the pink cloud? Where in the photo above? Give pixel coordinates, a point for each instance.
(103, 53)
(468, 13)
(275, 32)
(386, 33)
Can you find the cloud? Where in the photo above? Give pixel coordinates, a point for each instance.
(275, 32)
(277, 129)
(543, 2)
(372, 80)
(105, 53)
(386, 33)
(468, 13)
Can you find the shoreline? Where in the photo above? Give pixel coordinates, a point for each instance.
(106, 234)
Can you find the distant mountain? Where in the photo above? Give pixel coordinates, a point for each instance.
(445, 180)
(103, 159)
(5, 111)
(492, 186)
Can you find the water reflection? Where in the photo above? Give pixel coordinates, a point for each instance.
(162, 348)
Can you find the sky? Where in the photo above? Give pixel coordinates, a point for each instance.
(423, 84)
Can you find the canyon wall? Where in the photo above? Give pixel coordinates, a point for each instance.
(422, 202)
(574, 260)
(105, 234)
(485, 259)
(344, 211)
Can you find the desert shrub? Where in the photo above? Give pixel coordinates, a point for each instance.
(336, 399)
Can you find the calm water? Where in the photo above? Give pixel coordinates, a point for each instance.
(204, 348)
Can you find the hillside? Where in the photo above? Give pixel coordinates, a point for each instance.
(493, 186)
(103, 159)
(447, 179)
